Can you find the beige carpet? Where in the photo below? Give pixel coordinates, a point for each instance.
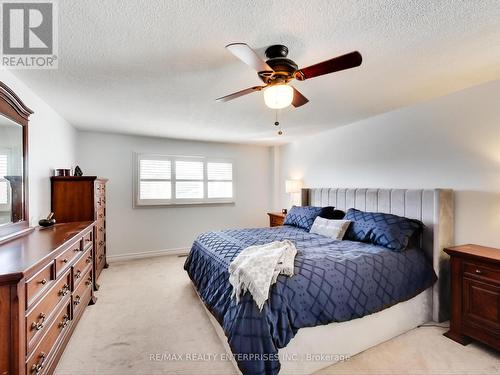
(148, 318)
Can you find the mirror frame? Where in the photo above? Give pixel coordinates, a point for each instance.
(14, 109)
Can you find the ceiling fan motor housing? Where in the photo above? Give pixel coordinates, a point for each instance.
(284, 68)
(276, 50)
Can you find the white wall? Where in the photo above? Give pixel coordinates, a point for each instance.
(132, 230)
(448, 142)
(52, 143)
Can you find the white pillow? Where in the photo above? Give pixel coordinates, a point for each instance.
(330, 228)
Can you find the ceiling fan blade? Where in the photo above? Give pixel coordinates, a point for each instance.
(298, 98)
(347, 61)
(243, 52)
(239, 93)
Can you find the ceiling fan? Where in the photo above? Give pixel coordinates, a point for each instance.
(278, 71)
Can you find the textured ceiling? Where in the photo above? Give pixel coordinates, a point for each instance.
(154, 67)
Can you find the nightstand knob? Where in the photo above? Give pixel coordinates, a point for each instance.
(479, 272)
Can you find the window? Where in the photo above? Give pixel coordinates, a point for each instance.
(170, 180)
(4, 185)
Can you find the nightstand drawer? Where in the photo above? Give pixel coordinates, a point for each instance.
(481, 271)
(276, 219)
(481, 303)
(276, 222)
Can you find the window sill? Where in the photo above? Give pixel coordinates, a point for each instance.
(185, 204)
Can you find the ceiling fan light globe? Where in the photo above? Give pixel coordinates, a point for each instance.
(278, 96)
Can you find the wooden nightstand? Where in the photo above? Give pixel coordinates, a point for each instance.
(475, 294)
(276, 219)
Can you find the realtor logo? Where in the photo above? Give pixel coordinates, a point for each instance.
(29, 35)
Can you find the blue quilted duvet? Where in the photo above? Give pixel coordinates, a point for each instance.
(334, 281)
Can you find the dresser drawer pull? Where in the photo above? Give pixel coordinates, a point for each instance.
(37, 367)
(89, 259)
(65, 260)
(479, 272)
(64, 291)
(77, 301)
(64, 323)
(78, 274)
(89, 281)
(43, 281)
(39, 324)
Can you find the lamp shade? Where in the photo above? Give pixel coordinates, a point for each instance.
(278, 96)
(293, 186)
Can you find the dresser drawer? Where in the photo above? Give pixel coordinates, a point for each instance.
(42, 281)
(38, 317)
(100, 254)
(100, 214)
(63, 261)
(38, 361)
(100, 229)
(81, 267)
(100, 189)
(82, 294)
(100, 243)
(87, 240)
(481, 271)
(100, 202)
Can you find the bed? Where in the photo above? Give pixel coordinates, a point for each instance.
(341, 289)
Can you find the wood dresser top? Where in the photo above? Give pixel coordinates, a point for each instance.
(475, 251)
(19, 255)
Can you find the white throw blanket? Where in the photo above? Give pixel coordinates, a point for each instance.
(256, 268)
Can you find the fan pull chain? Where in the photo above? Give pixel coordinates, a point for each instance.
(277, 123)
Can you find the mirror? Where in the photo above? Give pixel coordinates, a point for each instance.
(14, 118)
(11, 172)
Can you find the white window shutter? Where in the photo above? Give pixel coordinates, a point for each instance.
(188, 170)
(220, 180)
(189, 179)
(155, 169)
(155, 179)
(219, 171)
(220, 189)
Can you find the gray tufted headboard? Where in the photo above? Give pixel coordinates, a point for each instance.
(434, 207)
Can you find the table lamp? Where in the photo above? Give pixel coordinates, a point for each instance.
(293, 187)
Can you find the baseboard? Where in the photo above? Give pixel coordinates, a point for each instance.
(146, 254)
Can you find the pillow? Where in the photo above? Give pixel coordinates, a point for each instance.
(302, 217)
(331, 213)
(391, 231)
(330, 228)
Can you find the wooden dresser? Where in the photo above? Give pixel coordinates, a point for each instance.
(276, 219)
(475, 294)
(46, 282)
(79, 199)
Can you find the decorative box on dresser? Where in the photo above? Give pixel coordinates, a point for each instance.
(46, 280)
(475, 294)
(83, 198)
